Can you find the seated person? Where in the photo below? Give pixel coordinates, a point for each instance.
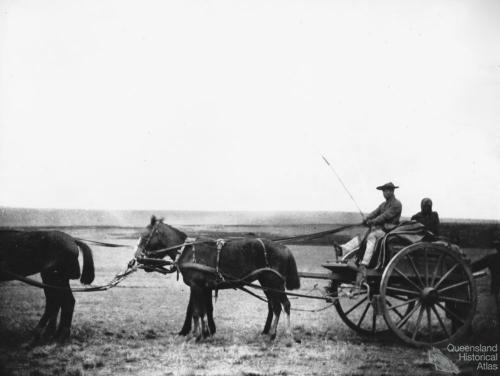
(383, 219)
(427, 217)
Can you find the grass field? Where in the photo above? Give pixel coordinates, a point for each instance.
(132, 329)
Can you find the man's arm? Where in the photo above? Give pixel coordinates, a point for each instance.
(391, 212)
(374, 213)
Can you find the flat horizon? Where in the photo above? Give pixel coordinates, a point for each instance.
(270, 212)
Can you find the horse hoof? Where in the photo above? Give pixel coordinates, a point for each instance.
(62, 340)
(49, 334)
(272, 337)
(62, 335)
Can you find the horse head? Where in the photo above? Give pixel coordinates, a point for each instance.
(158, 236)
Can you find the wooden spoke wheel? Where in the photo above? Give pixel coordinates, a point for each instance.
(438, 286)
(361, 310)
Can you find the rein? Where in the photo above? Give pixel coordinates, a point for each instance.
(102, 244)
(314, 235)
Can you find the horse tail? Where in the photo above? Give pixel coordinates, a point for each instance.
(88, 264)
(292, 275)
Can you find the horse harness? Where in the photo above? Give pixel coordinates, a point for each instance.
(221, 277)
(219, 243)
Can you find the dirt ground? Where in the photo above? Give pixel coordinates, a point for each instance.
(131, 330)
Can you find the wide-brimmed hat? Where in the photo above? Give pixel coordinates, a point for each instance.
(389, 185)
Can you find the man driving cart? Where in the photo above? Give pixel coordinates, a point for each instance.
(382, 220)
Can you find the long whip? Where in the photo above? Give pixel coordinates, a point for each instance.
(343, 185)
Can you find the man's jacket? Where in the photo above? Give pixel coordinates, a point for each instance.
(387, 214)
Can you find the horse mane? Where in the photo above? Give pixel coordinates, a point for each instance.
(178, 232)
(155, 220)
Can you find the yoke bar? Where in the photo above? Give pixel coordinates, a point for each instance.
(315, 275)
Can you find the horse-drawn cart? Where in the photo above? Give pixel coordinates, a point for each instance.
(420, 288)
(426, 295)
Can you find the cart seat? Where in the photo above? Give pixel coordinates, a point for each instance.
(405, 234)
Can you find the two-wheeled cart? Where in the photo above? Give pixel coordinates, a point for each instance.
(425, 294)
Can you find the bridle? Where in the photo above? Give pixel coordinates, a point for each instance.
(150, 236)
(144, 253)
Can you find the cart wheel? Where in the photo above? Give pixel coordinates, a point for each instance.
(358, 309)
(438, 286)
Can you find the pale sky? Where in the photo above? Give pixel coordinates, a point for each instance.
(227, 105)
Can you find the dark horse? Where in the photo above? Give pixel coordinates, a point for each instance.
(205, 267)
(54, 255)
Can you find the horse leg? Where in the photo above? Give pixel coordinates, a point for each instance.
(205, 332)
(196, 327)
(67, 309)
(206, 295)
(277, 311)
(198, 312)
(186, 328)
(267, 325)
(286, 307)
(48, 321)
(210, 312)
(49, 314)
(50, 329)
